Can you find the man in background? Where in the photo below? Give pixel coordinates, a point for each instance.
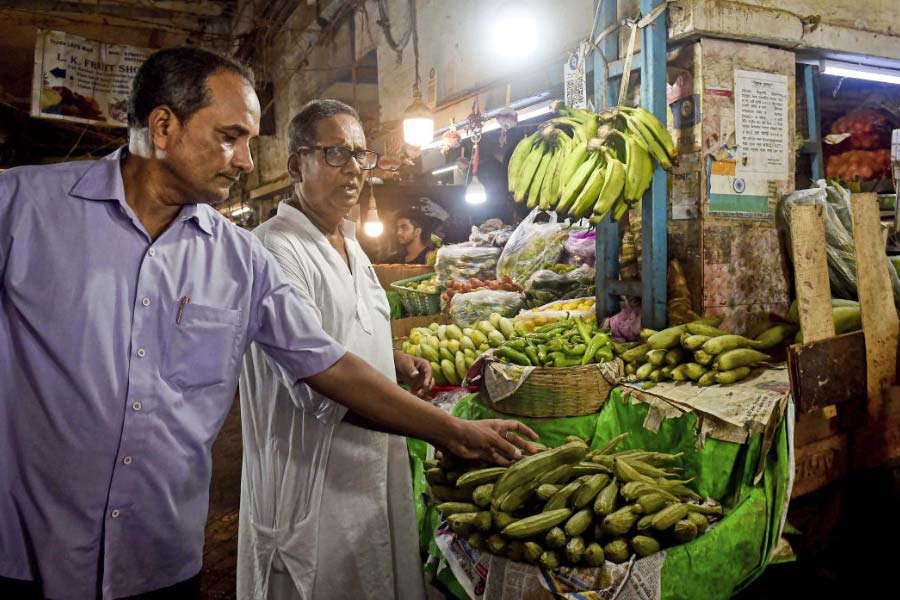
(413, 229)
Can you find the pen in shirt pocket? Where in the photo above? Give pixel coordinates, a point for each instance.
(184, 300)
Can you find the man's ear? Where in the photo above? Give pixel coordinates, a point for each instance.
(163, 126)
(294, 169)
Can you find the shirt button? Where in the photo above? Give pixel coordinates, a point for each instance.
(146, 301)
(115, 513)
(141, 352)
(136, 406)
(152, 252)
(126, 460)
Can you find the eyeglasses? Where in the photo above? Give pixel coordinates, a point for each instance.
(338, 156)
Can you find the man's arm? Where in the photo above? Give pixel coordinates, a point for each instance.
(361, 388)
(5, 224)
(283, 326)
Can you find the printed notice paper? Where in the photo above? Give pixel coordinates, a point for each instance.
(761, 123)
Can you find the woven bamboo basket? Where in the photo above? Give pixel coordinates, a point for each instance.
(547, 392)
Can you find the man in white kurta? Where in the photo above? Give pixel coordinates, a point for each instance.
(324, 504)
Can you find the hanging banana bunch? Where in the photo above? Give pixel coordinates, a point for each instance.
(583, 164)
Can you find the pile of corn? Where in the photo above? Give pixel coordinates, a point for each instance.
(700, 352)
(571, 506)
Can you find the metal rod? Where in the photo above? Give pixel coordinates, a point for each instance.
(654, 204)
(811, 91)
(606, 94)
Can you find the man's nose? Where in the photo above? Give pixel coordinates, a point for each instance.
(243, 158)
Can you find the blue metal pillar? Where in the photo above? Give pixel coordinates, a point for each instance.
(811, 91)
(654, 204)
(607, 261)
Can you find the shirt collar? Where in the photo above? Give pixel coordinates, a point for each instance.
(286, 211)
(201, 214)
(103, 181)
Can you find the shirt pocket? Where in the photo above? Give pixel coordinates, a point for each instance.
(201, 345)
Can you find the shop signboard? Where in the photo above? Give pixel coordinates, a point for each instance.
(82, 80)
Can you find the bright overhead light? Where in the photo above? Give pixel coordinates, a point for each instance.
(536, 112)
(418, 124)
(373, 227)
(475, 192)
(493, 125)
(840, 69)
(238, 212)
(443, 170)
(514, 34)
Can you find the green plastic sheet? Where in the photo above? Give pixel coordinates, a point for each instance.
(717, 564)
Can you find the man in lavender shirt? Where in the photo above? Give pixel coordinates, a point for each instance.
(126, 302)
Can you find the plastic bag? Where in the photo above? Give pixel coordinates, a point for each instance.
(581, 248)
(491, 233)
(561, 309)
(461, 262)
(547, 286)
(839, 247)
(625, 325)
(532, 245)
(466, 309)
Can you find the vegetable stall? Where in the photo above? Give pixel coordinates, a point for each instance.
(669, 450)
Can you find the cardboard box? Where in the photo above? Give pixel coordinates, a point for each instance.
(388, 274)
(400, 328)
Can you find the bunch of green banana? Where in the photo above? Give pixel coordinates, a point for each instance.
(452, 350)
(583, 164)
(571, 505)
(541, 162)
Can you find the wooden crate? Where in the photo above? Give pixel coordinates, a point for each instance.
(819, 463)
(848, 405)
(400, 328)
(388, 274)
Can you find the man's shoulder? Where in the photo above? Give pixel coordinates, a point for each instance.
(278, 233)
(59, 177)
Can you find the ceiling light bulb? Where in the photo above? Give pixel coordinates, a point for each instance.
(475, 192)
(418, 123)
(373, 227)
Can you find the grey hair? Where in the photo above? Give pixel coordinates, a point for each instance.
(301, 132)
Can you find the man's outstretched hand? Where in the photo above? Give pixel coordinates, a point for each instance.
(490, 440)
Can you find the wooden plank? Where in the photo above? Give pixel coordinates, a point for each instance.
(816, 425)
(196, 8)
(811, 273)
(828, 372)
(876, 301)
(818, 464)
(877, 443)
(139, 17)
